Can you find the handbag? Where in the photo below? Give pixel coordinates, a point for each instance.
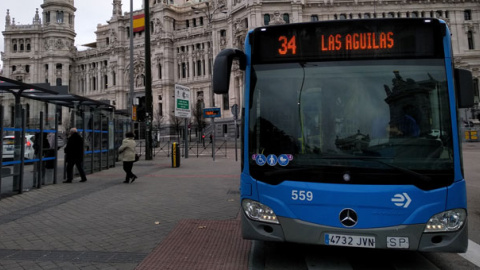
(137, 157)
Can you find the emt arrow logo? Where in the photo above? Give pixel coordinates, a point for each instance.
(401, 200)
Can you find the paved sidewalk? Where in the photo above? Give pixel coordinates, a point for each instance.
(169, 218)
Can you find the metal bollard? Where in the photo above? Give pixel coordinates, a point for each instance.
(175, 155)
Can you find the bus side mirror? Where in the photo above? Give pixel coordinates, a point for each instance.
(464, 88)
(222, 68)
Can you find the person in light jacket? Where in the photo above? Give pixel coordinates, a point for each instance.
(127, 155)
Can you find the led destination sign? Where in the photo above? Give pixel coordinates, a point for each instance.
(337, 42)
(403, 38)
(358, 41)
(211, 112)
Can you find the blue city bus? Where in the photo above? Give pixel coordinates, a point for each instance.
(351, 135)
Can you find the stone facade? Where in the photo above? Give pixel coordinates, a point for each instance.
(184, 41)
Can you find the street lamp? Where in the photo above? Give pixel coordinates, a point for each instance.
(209, 14)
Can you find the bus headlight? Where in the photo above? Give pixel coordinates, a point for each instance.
(260, 212)
(447, 221)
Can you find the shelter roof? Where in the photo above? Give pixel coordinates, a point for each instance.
(45, 92)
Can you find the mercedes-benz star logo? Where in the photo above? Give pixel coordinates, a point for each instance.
(348, 217)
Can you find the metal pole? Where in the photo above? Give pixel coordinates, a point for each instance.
(236, 135)
(22, 150)
(55, 165)
(186, 139)
(18, 124)
(1, 148)
(40, 179)
(212, 96)
(148, 84)
(130, 101)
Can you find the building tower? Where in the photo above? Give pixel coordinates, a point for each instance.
(57, 44)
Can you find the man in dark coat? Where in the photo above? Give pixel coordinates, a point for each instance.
(74, 155)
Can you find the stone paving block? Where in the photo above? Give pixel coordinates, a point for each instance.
(201, 244)
(105, 224)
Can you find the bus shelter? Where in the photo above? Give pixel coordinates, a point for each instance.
(42, 115)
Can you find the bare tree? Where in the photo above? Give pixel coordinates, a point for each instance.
(198, 114)
(157, 123)
(66, 123)
(177, 124)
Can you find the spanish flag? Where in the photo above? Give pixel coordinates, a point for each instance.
(138, 23)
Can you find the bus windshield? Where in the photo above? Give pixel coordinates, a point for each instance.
(360, 122)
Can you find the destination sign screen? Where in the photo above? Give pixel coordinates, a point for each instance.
(348, 39)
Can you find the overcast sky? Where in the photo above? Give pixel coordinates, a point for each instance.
(89, 13)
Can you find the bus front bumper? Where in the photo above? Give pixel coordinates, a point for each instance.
(298, 231)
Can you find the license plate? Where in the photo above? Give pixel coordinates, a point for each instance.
(397, 242)
(349, 240)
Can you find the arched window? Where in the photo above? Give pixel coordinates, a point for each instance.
(266, 19)
(184, 70)
(286, 18)
(471, 45)
(59, 16)
(314, 18)
(105, 81)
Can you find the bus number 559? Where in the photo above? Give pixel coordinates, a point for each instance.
(302, 195)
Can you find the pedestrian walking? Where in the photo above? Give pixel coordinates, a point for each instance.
(127, 155)
(74, 156)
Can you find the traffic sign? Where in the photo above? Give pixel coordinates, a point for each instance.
(182, 101)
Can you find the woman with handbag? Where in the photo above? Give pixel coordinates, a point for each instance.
(128, 156)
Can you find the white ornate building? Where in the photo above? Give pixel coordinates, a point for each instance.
(185, 40)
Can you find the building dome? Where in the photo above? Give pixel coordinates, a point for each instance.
(58, 2)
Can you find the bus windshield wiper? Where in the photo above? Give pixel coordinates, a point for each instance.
(417, 175)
